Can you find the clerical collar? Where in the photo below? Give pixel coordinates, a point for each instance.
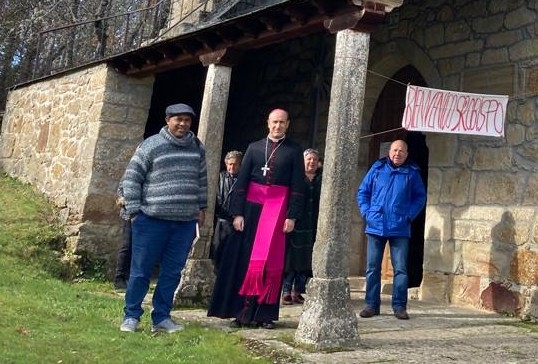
(265, 168)
(276, 140)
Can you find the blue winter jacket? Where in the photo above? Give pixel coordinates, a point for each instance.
(391, 197)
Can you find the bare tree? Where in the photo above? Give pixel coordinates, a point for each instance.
(101, 26)
(43, 36)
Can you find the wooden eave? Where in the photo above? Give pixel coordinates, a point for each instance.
(288, 20)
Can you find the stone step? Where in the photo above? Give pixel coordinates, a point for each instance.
(359, 284)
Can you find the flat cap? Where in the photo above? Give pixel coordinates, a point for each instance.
(180, 109)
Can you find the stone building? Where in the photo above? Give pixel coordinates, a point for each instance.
(341, 68)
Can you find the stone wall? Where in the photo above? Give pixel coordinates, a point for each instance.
(72, 137)
(481, 229)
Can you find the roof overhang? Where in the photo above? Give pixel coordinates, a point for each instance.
(273, 24)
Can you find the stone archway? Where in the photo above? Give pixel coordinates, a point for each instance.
(385, 60)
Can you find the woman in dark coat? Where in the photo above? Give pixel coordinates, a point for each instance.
(300, 242)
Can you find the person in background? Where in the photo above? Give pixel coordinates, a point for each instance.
(300, 242)
(390, 196)
(165, 191)
(123, 264)
(223, 218)
(267, 199)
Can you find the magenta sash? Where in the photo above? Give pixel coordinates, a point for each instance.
(264, 274)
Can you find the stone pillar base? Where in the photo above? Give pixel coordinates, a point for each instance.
(328, 320)
(196, 284)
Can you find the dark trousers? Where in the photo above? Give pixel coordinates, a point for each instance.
(123, 265)
(294, 280)
(223, 228)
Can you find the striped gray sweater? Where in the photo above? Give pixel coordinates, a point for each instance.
(167, 178)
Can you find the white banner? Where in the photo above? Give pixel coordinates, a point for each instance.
(428, 109)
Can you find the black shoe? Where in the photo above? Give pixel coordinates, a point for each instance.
(369, 312)
(120, 284)
(401, 314)
(268, 325)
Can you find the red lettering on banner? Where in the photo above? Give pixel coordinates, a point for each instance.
(453, 112)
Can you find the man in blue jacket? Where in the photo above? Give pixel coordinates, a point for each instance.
(390, 197)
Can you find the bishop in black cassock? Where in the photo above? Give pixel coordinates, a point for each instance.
(267, 199)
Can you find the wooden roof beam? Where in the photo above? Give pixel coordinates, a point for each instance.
(210, 40)
(328, 7)
(191, 46)
(229, 34)
(137, 61)
(121, 65)
(152, 56)
(365, 16)
(299, 14)
(251, 28)
(171, 51)
(385, 5)
(273, 22)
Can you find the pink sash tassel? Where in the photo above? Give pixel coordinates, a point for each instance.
(264, 273)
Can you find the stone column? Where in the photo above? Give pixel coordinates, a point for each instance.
(328, 319)
(198, 278)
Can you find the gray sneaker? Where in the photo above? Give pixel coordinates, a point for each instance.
(129, 324)
(168, 325)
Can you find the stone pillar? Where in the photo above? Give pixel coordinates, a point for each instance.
(328, 319)
(198, 278)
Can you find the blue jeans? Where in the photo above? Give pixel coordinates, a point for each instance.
(157, 241)
(399, 249)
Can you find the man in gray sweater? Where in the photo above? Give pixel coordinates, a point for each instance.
(165, 191)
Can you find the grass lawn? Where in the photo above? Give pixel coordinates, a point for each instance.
(48, 320)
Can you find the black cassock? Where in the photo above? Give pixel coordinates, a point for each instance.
(285, 167)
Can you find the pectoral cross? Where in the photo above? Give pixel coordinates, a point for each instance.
(265, 169)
